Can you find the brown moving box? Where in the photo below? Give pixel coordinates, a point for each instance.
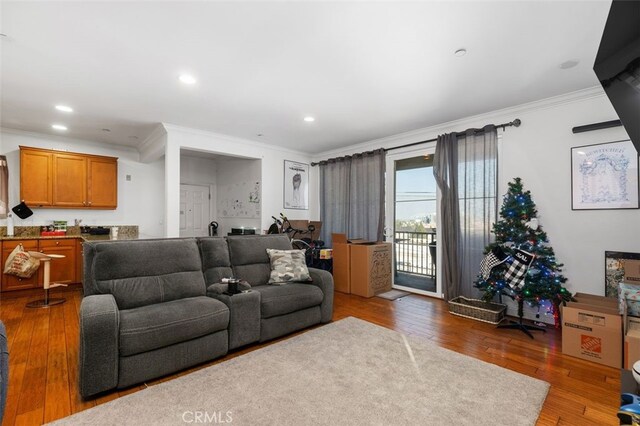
(632, 271)
(361, 267)
(631, 342)
(370, 268)
(341, 261)
(592, 330)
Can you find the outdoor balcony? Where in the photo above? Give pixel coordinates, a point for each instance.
(415, 260)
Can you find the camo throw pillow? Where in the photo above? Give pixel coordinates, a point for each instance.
(287, 266)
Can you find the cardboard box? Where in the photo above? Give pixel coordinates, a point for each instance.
(632, 271)
(371, 271)
(341, 263)
(592, 330)
(631, 341)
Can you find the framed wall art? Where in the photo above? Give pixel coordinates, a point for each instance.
(604, 176)
(296, 185)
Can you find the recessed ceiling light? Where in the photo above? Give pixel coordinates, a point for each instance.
(59, 127)
(460, 52)
(187, 79)
(106, 130)
(309, 119)
(64, 108)
(569, 64)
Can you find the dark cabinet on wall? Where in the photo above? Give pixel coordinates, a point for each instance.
(57, 179)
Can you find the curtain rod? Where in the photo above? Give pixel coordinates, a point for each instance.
(514, 123)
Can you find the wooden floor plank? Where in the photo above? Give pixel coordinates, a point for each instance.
(32, 397)
(43, 382)
(57, 393)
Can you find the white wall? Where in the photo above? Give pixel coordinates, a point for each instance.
(230, 172)
(140, 201)
(539, 153)
(272, 173)
(200, 171)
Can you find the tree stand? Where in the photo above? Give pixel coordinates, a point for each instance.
(518, 325)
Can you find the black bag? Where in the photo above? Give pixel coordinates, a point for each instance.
(22, 210)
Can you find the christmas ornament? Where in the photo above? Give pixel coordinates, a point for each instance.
(533, 223)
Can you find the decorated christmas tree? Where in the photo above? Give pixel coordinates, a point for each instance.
(520, 263)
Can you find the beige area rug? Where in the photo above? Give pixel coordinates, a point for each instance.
(349, 372)
(393, 294)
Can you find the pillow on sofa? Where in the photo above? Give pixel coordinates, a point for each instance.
(287, 266)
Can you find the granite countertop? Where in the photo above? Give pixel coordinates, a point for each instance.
(125, 232)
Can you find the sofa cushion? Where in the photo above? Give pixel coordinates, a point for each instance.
(215, 259)
(288, 265)
(163, 324)
(144, 272)
(249, 259)
(284, 299)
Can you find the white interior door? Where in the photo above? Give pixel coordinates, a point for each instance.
(194, 210)
(412, 202)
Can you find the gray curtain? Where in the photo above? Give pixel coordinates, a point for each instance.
(334, 198)
(466, 169)
(4, 187)
(445, 170)
(352, 196)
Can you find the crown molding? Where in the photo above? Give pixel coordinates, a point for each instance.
(152, 138)
(432, 131)
(67, 139)
(232, 139)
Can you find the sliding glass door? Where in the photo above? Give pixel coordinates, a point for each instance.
(412, 221)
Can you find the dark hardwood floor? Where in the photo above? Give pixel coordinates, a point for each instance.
(43, 346)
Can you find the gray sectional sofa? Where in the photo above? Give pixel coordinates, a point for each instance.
(154, 307)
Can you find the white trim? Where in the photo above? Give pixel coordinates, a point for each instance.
(418, 291)
(60, 138)
(408, 152)
(432, 131)
(152, 147)
(157, 132)
(233, 139)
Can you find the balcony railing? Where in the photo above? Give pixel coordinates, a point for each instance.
(412, 252)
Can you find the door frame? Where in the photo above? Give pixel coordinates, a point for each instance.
(209, 188)
(390, 195)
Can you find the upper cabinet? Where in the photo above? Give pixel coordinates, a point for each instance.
(57, 179)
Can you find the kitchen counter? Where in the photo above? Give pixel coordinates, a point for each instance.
(125, 232)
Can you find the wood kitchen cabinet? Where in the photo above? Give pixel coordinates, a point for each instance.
(102, 182)
(65, 270)
(56, 179)
(69, 180)
(62, 270)
(36, 173)
(11, 282)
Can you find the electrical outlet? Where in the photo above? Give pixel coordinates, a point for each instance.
(128, 177)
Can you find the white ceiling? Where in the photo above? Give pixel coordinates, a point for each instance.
(364, 70)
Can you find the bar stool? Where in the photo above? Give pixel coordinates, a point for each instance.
(46, 302)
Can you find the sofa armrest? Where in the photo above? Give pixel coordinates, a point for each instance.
(324, 280)
(99, 334)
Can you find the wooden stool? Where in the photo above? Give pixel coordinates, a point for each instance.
(46, 302)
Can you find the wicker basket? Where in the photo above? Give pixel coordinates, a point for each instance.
(492, 313)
